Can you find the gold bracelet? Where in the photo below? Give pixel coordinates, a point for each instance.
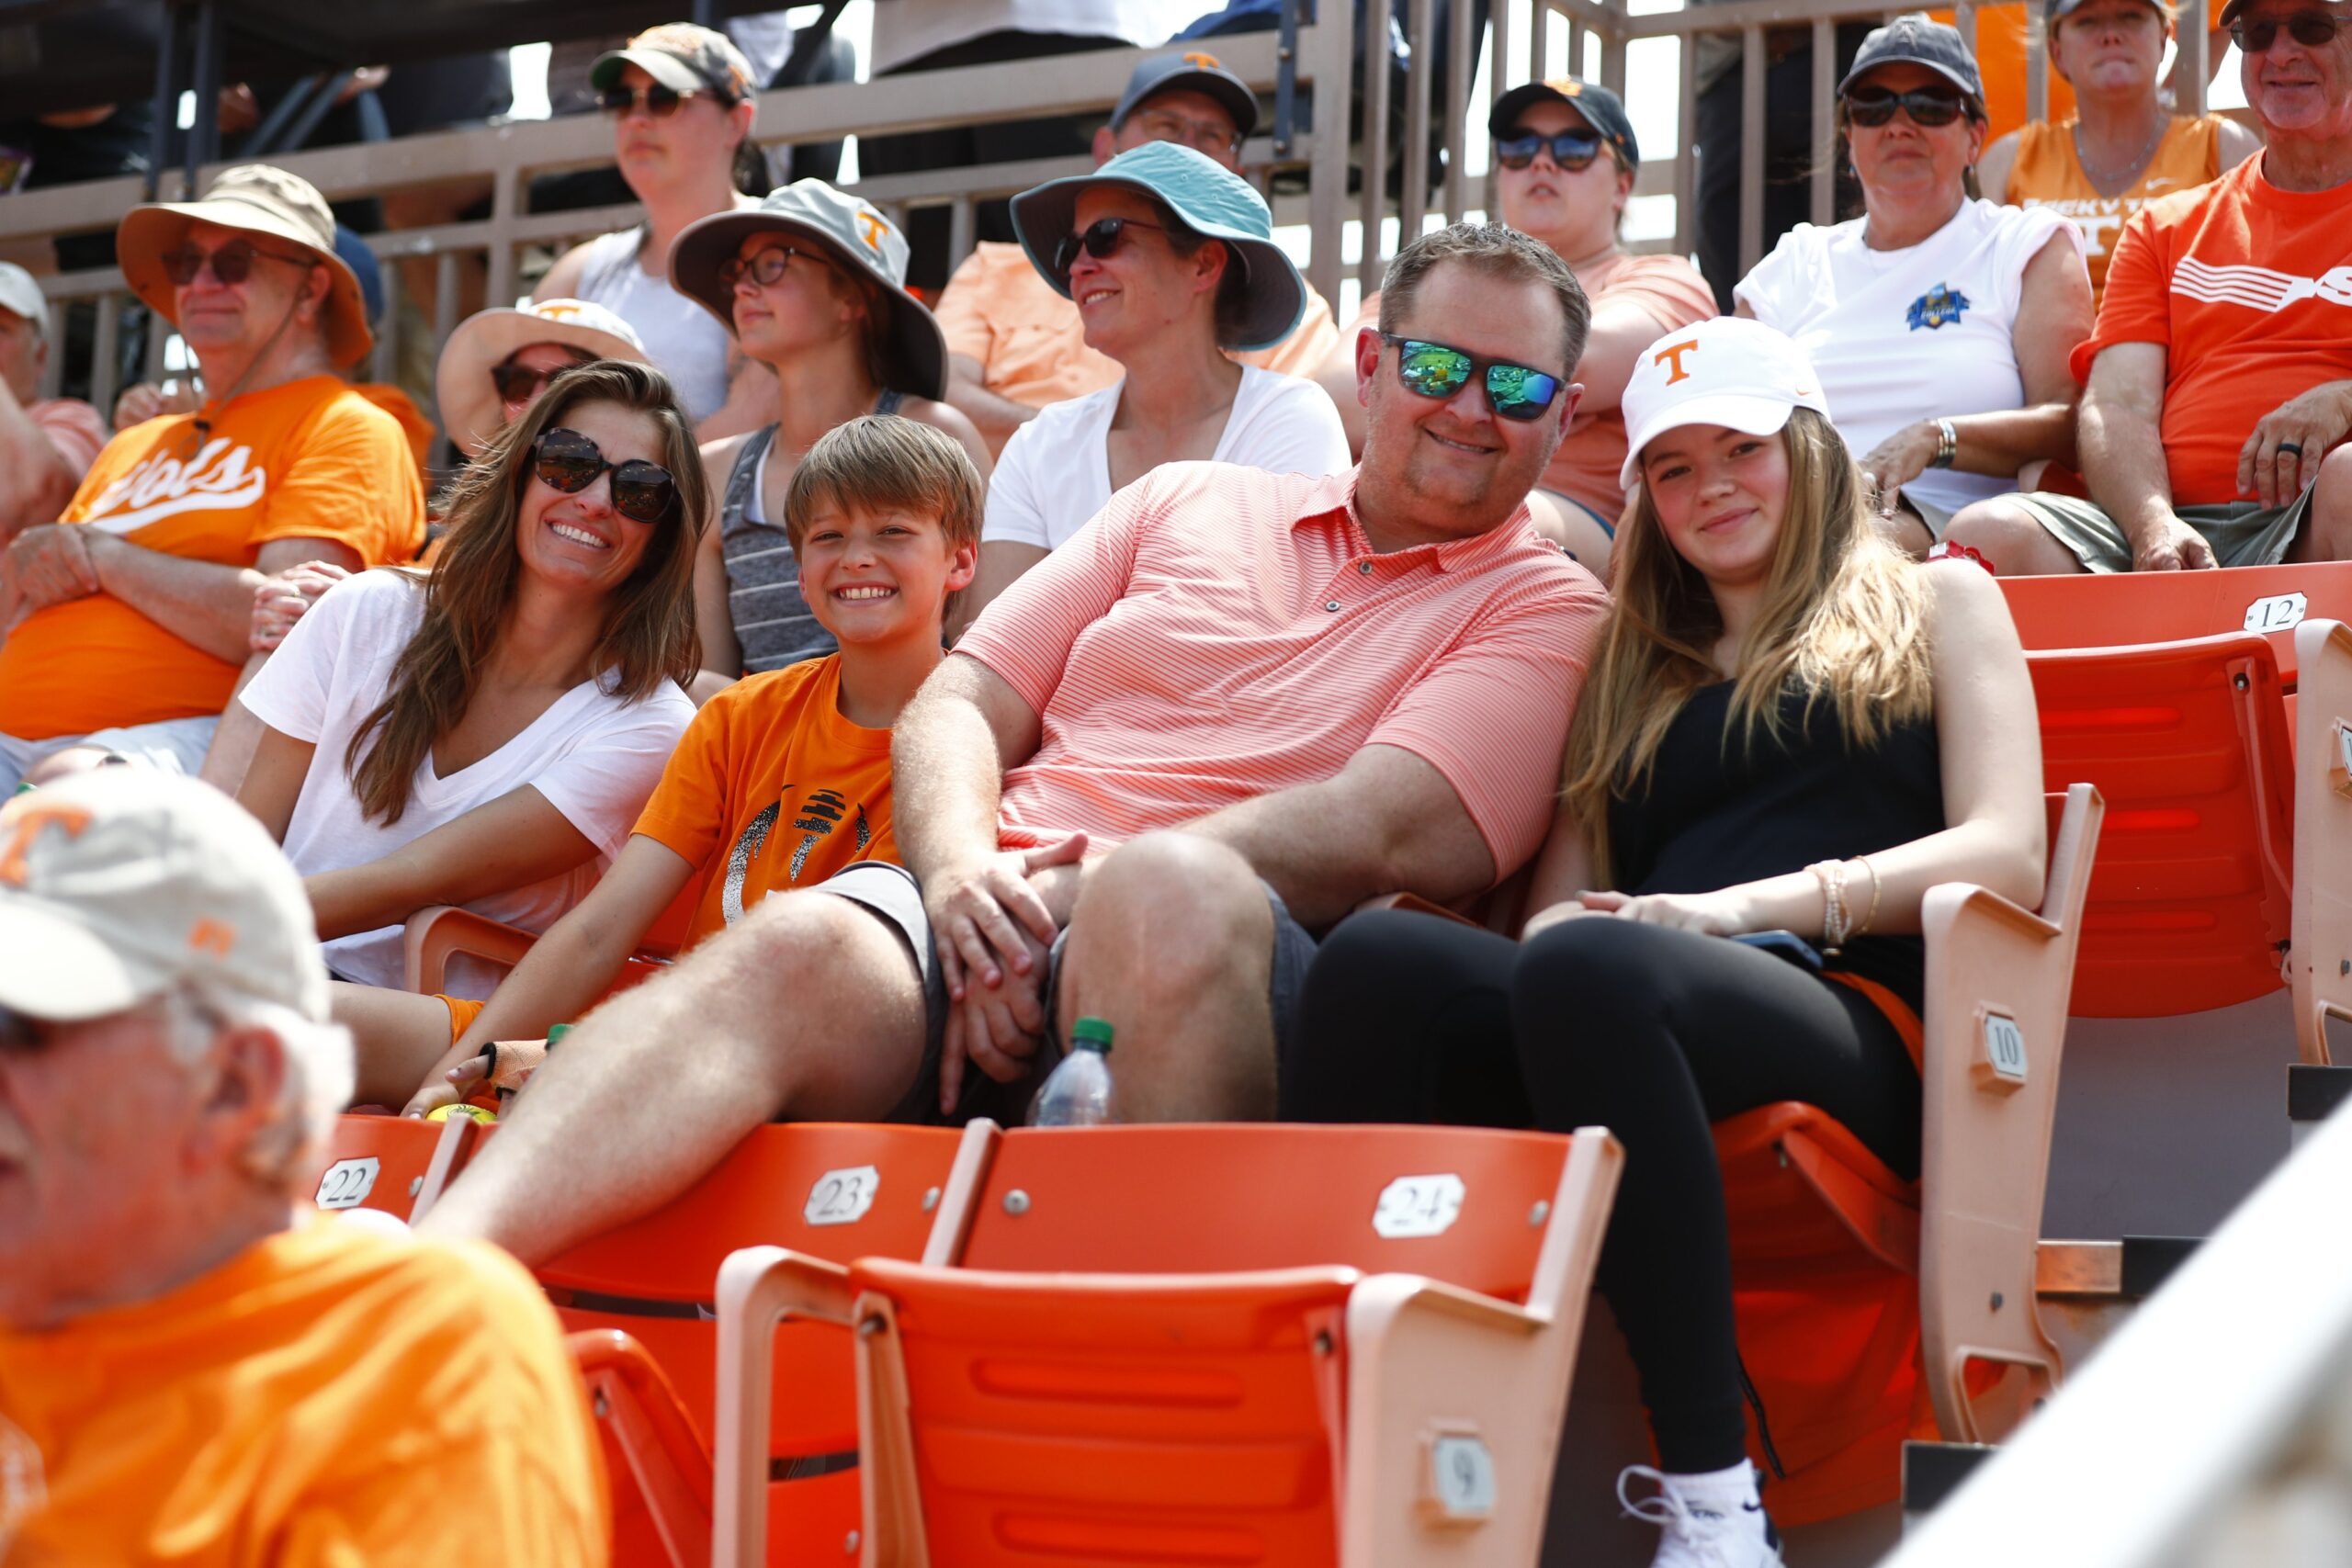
(1873, 915)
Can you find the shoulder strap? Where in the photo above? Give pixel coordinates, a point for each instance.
(745, 476)
(889, 400)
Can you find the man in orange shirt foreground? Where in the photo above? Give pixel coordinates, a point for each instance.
(1231, 708)
(2218, 382)
(196, 1367)
(123, 627)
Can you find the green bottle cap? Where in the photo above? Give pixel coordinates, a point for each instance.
(1090, 1035)
(557, 1032)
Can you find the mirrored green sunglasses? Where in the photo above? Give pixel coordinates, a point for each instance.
(1439, 370)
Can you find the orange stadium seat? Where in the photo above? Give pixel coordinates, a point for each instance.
(1826, 1242)
(435, 934)
(1216, 1344)
(633, 1298)
(2120, 609)
(2225, 873)
(394, 1164)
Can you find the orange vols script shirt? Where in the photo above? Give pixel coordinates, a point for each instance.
(309, 459)
(2248, 290)
(327, 1396)
(2048, 173)
(772, 787)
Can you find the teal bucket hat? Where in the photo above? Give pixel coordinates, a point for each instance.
(1205, 197)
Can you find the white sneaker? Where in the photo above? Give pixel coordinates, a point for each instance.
(1698, 1535)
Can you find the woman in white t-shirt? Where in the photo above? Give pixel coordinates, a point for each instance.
(484, 734)
(1170, 259)
(1939, 323)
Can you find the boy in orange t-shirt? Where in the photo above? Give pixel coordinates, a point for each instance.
(782, 780)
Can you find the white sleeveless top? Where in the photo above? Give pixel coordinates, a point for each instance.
(682, 338)
(1916, 334)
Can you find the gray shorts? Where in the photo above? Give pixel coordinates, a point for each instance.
(2242, 533)
(895, 898)
(170, 745)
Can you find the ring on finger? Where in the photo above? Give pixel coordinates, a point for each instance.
(2291, 447)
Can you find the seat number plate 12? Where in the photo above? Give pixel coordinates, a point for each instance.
(2004, 1049)
(1419, 1205)
(2280, 611)
(843, 1196)
(347, 1182)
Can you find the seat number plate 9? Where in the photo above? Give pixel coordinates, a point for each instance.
(2280, 611)
(1462, 1477)
(1419, 1205)
(842, 1197)
(347, 1182)
(2005, 1047)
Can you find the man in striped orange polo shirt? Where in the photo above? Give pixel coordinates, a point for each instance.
(1233, 708)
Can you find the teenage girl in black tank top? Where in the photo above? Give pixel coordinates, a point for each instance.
(1847, 730)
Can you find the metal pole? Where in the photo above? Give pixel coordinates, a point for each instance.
(1286, 80)
(1825, 122)
(167, 95)
(204, 131)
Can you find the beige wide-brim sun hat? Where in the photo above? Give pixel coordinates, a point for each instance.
(471, 410)
(263, 201)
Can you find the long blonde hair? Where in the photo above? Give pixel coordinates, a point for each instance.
(1842, 618)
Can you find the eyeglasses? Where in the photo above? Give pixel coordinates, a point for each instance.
(570, 462)
(521, 383)
(766, 265)
(1571, 150)
(232, 263)
(1205, 135)
(2310, 28)
(1928, 106)
(1439, 371)
(657, 100)
(1100, 238)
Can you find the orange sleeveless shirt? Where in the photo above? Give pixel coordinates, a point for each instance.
(2048, 173)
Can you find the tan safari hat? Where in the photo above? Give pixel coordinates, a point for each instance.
(120, 883)
(260, 200)
(471, 410)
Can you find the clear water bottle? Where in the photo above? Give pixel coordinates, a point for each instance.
(1078, 1092)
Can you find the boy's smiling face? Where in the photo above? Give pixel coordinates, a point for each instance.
(876, 575)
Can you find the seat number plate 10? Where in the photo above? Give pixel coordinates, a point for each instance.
(1419, 1205)
(2004, 1050)
(1461, 1478)
(842, 1197)
(347, 1182)
(2280, 611)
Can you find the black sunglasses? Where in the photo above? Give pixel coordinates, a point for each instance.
(1441, 370)
(657, 100)
(521, 383)
(765, 266)
(1571, 150)
(643, 491)
(1928, 106)
(1100, 238)
(232, 263)
(2310, 28)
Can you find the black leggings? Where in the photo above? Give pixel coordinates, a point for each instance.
(1652, 1033)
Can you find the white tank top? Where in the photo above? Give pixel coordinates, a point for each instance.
(682, 338)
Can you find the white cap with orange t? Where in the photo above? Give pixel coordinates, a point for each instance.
(1729, 371)
(118, 884)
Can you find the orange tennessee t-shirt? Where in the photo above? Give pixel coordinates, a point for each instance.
(2248, 290)
(309, 459)
(1585, 468)
(1031, 344)
(771, 787)
(327, 1396)
(2048, 172)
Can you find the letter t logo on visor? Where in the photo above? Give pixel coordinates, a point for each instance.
(1674, 351)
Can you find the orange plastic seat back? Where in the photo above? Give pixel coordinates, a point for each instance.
(1184, 1199)
(2123, 609)
(377, 1162)
(832, 1191)
(2188, 742)
(1145, 1359)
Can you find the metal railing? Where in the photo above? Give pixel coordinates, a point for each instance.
(1435, 113)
